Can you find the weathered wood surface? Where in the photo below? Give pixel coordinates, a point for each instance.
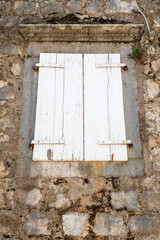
(104, 111)
(79, 108)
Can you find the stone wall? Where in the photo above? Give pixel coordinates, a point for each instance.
(117, 207)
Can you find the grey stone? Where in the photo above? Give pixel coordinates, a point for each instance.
(33, 197)
(152, 89)
(4, 122)
(25, 7)
(7, 93)
(140, 224)
(122, 199)
(2, 23)
(108, 225)
(158, 74)
(119, 5)
(13, 50)
(77, 188)
(51, 6)
(16, 69)
(5, 7)
(156, 164)
(37, 224)
(75, 224)
(2, 102)
(147, 69)
(60, 202)
(153, 200)
(11, 21)
(9, 218)
(74, 5)
(93, 6)
(4, 137)
(156, 65)
(3, 84)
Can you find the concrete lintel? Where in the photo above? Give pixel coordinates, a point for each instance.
(81, 32)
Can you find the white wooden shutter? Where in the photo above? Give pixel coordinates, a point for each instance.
(59, 111)
(103, 108)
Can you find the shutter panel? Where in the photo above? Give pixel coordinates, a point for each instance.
(103, 105)
(59, 110)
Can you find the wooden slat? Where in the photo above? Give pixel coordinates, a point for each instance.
(45, 108)
(59, 108)
(96, 108)
(73, 108)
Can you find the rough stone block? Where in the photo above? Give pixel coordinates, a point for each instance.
(7, 93)
(158, 74)
(93, 6)
(74, 5)
(37, 224)
(78, 189)
(126, 6)
(122, 199)
(16, 69)
(153, 200)
(5, 7)
(25, 7)
(152, 89)
(51, 6)
(75, 224)
(60, 202)
(3, 84)
(156, 164)
(33, 197)
(11, 21)
(108, 225)
(140, 224)
(13, 50)
(4, 137)
(156, 65)
(9, 219)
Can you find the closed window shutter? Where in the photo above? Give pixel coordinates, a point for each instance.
(59, 111)
(103, 108)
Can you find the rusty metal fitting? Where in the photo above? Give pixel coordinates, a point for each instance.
(31, 146)
(35, 68)
(130, 145)
(125, 68)
(59, 181)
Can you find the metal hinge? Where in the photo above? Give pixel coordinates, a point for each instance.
(110, 142)
(48, 141)
(110, 65)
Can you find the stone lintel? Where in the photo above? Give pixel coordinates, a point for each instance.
(81, 32)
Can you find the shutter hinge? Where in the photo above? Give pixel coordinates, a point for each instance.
(31, 146)
(110, 142)
(35, 68)
(130, 145)
(110, 65)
